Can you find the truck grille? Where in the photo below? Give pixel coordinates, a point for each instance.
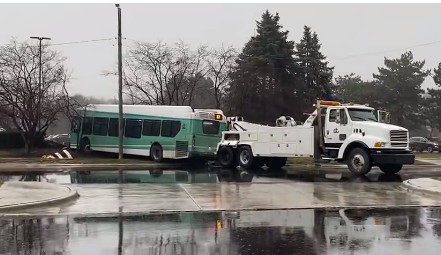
(181, 150)
(398, 138)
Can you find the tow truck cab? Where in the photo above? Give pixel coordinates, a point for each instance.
(348, 127)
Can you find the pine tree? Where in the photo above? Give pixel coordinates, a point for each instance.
(315, 72)
(263, 82)
(399, 89)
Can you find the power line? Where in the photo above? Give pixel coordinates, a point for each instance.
(85, 41)
(385, 51)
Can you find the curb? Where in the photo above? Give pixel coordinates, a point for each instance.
(72, 194)
(417, 189)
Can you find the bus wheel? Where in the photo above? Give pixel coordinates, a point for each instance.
(245, 157)
(156, 152)
(85, 146)
(359, 162)
(390, 168)
(276, 162)
(226, 158)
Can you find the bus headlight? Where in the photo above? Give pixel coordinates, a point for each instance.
(380, 145)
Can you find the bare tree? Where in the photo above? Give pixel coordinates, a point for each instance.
(220, 63)
(156, 73)
(31, 106)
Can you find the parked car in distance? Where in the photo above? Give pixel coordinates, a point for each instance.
(61, 139)
(423, 144)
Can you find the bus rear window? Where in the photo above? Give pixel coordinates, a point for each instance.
(210, 127)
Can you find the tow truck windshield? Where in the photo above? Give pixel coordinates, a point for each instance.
(362, 114)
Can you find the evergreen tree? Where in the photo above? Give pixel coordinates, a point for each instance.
(399, 89)
(433, 102)
(351, 88)
(263, 82)
(314, 68)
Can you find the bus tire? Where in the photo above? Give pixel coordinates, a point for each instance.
(390, 168)
(156, 152)
(226, 157)
(245, 157)
(359, 162)
(276, 162)
(85, 146)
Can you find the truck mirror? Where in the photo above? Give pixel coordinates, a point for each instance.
(387, 118)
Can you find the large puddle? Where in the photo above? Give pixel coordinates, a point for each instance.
(349, 231)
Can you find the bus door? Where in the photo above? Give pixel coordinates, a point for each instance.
(74, 133)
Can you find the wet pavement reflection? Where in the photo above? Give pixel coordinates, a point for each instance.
(215, 175)
(346, 231)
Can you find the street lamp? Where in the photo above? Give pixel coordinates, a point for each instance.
(120, 104)
(40, 39)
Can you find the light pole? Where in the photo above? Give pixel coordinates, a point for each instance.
(120, 103)
(40, 39)
(40, 71)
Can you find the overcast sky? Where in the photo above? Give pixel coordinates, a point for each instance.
(345, 30)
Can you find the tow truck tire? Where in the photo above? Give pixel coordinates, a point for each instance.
(245, 157)
(390, 168)
(276, 162)
(226, 157)
(359, 162)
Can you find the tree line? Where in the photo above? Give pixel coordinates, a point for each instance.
(269, 76)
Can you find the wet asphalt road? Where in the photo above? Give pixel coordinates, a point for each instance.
(93, 224)
(375, 231)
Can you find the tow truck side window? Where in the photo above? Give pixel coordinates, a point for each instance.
(332, 115)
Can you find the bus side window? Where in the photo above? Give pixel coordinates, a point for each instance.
(113, 127)
(133, 128)
(170, 128)
(151, 128)
(100, 126)
(87, 125)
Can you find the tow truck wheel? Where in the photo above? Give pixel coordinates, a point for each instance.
(390, 168)
(276, 162)
(226, 157)
(359, 162)
(245, 157)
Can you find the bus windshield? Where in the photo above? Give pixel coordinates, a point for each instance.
(362, 114)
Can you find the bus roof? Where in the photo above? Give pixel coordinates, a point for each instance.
(152, 110)
(170, 111)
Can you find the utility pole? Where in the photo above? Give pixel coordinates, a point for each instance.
(40, 68)
(120, 100)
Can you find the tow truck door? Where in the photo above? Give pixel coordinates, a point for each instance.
(337, 128)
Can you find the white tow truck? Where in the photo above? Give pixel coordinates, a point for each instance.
(354, 134)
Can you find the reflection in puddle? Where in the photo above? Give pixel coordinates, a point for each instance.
(248, 232)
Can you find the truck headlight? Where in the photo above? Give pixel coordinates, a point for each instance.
(379, 144)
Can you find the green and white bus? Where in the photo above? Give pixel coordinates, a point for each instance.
(160, 132)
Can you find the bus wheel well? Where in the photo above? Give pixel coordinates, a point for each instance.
(352, 146)
(85, 144)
